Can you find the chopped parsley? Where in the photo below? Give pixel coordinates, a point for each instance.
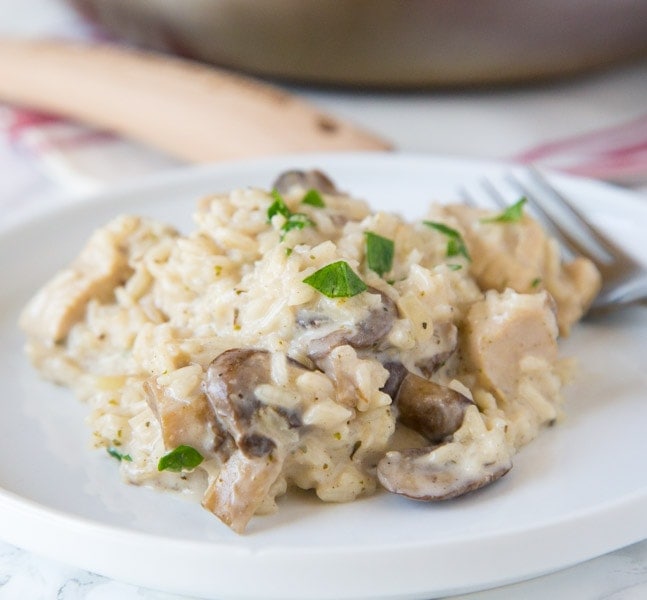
(118, 455)
(296, 221)
(313, 198)
(512, 214)
(292, 220)
(455, 243)
(379, 253)
(278, 207)
(336, 280)
(183, 457)
(535, 282)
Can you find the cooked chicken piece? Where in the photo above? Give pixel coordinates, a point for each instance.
(502, 330)
(102, 265)
(240, 488)
(62, 302)
(520, 255)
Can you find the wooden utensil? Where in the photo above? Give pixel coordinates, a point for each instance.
(189, 110)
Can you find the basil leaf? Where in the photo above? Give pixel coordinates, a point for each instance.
(336, 280)
(455, 244)
(512, 214)
(278, 207)
(183, 457)
(313, 198)
(379, 253)
(118, 455)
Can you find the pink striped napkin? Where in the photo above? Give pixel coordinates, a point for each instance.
(616, 154)
(76, 156)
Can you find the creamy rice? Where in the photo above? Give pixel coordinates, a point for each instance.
(426, 381)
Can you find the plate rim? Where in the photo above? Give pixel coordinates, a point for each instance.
(185, 174)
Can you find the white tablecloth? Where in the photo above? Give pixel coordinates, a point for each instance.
(594, 124)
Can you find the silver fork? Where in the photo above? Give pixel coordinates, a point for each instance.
(624, 279)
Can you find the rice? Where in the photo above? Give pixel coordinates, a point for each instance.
(212, 341)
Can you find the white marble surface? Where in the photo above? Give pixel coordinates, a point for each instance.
(491, 124)
(621, 575)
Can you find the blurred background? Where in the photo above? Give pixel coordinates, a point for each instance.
(561, 84)
(386, 43)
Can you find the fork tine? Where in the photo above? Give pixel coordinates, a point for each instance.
(493, 194)
(565, 238)
(467, 198)
(610, 249)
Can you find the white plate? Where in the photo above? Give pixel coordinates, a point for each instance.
(578, 491)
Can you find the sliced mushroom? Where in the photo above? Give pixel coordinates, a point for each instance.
(433, 410)
(366, 334)
(262, 434)
(397, 373)
(311, 319)
(377, 325)
(230, 382)
(415, 473)
(436, 412)
(305, 180)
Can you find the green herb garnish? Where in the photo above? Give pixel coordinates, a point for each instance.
(278, 207)
(296, 221)
(336, 280)
(118, 455)
(292, 220)
(379, 252)
(512, 214)
(313, 198)
(455, 244)
(183, 457)
(535, 282)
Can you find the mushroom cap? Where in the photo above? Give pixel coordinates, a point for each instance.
(305, 180)
(433, 410)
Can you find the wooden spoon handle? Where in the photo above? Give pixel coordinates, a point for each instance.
(186, 109)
